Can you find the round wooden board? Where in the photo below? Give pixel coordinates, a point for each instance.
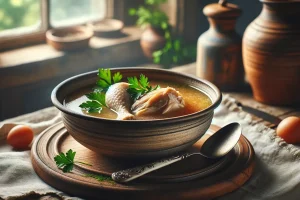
(194, 178)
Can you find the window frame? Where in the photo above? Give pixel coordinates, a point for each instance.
(12, 42)
(178, 11)
(29, 38)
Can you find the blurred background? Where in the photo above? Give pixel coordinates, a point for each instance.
(26, 15)
(23, 15)
(30, 68)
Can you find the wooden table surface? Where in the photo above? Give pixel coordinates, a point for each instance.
(246, 98)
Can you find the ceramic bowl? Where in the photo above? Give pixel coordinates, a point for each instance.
(137, 138)
(71, 38)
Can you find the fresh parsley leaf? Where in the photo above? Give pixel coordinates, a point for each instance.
(117, 77)
(105, 76)
(103, 84)
(91, 106)
(144, 81)
(97, 96)
(66, 161)
(106, 79)
(96, 104)
(137, 88)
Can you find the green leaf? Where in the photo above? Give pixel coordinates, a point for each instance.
(177, 44)
(175, 59)
(164, 25)
(144, 81)
(105, 75)
(106, 79)
(91, 106)
(103, 84)
(154, 2)
(66, 161)
(133, 81)
(117, 77)
(97, 96)
(70, 155)
(150, 14)
(175, 52)
(156, 59)
(68, 168)
(132, 11)
(137, 88)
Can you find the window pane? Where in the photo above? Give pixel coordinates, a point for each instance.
(19, 16)
(70, 12)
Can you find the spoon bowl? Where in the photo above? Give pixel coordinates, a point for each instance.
(214, 146)
(222, 141)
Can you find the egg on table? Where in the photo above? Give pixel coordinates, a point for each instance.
(289, 130)
(20, 137)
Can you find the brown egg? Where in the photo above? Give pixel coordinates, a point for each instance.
(20, 137)
(289, 130)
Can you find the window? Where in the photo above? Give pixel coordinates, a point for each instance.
(19, 17)
(68, 12)
(26, 21)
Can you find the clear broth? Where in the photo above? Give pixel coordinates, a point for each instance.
(194, 99)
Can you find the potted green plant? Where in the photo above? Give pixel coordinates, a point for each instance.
(175, 52)
(157, 42)
(155, 24)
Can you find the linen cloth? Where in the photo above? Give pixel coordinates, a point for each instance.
(276, 175)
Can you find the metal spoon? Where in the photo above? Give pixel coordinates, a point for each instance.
(215, 146)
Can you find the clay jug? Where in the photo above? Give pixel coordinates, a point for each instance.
(271, 53)
(219, 49)
(152, 39)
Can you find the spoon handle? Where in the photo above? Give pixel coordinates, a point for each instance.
(133, 173)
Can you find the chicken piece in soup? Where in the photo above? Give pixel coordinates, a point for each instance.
(170, 100)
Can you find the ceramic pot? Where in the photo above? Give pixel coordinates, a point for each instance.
(271, 53)
(219, 57)
(152, 39)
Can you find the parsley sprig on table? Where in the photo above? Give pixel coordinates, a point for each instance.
(66, 161)
(137, 88)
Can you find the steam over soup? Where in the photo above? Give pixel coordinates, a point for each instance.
(187, 100)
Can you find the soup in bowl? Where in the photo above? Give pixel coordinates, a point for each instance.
(156, 114)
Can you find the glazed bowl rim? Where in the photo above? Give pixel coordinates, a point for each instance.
(66, 110)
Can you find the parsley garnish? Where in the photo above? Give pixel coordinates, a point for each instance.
(137, 88)
(66, 161)
(106, 80)
(97, 97)
(96, 104)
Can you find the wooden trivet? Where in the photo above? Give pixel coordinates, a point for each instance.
(194, 178)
